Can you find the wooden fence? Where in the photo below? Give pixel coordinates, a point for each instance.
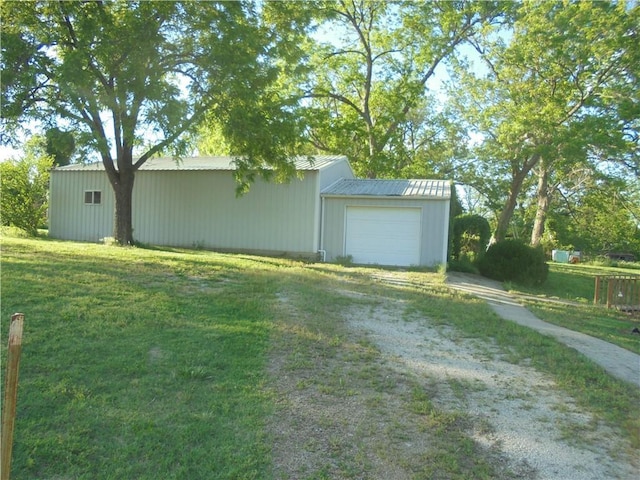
(618, 291)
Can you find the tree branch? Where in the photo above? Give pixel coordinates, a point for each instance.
(75, 43)
(344, 52)
(335, 96)
(171, 138)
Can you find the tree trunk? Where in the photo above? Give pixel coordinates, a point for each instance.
(507, 212)
(517, 180)
(123, 231)
(543, 206)
(373, 152)
(122, 183)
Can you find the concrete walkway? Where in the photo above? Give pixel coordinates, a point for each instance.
(618, 361)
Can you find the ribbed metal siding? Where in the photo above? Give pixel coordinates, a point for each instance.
(335, 171)
(198, 208)
(435, 225)
(390, 188)
(201, 209)
(329, 174)
(69, 217)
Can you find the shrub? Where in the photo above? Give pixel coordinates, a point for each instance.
(13, 232)
(471, 234)
(345, 261)
(511, 260)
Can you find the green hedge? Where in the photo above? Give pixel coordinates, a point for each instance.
(512, 260)
(471, 235)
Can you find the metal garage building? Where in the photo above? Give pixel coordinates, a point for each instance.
(387, 222)
(193, 203)
(325, 211)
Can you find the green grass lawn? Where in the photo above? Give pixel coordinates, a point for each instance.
(146, 364)
(130, 355)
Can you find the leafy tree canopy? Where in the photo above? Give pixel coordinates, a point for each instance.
(61, 145)
(557, 91)
(134, 78)
(368, 91)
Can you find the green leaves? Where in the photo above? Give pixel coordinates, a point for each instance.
(547, 95)
(60, 145)
(23, 190)
(137, 77)
(370, 79)
(135, 67)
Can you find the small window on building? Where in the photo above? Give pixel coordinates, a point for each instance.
(92, 197)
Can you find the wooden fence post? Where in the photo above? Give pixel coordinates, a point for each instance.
(11, 393)
(610, 291)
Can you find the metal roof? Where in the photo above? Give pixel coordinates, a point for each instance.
(389, 188)
(317, 162)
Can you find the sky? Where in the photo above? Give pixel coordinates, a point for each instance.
(8, 152)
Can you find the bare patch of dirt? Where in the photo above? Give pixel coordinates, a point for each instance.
(390, 397)
(329, 423)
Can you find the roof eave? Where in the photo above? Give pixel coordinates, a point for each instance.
(395, 197)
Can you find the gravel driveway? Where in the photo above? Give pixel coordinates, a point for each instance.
(525, 425)
(526, 418)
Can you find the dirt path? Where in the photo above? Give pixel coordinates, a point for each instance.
(347, 406)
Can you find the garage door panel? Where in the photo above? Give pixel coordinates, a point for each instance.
(385, 236)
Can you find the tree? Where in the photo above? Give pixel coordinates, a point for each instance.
(371, 79)
(136, 77)
(426, 144)
(24, 183)
(550, 97)
(60, 145)
(600, 214)
(471, 235)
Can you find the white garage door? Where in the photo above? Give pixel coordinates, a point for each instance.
(386, 236)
